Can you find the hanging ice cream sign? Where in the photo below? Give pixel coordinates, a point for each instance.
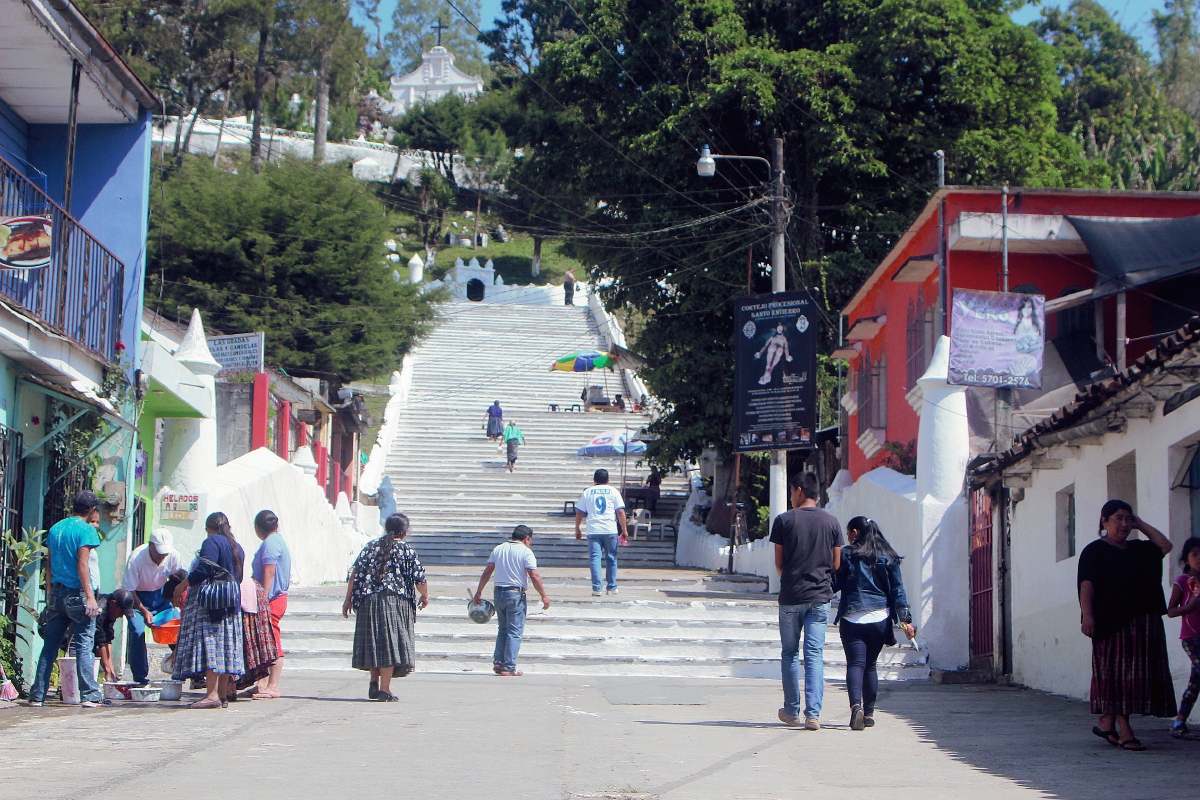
(997, 339)
(25, 242)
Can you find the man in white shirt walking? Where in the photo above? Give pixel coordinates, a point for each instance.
(604, 509)
(514, 566)
(146, 572)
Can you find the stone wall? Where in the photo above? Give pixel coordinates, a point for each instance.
(234, 410)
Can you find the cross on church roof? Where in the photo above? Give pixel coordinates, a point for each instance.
(439, 27)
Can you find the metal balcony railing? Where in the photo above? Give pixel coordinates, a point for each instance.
(54, 270)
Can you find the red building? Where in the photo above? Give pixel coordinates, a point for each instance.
(1112, 282)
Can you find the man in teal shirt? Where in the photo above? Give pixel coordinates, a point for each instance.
(72, 604)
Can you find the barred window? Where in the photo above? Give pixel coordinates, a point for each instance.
(919, 334)
(872, 392)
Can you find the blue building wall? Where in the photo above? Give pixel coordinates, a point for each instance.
(14, 138)
(110, 197)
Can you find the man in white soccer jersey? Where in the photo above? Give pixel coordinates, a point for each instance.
(602, 507)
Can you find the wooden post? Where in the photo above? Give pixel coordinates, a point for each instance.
(1098, 312)
(259, 403)
(72, 130)
(283, 430)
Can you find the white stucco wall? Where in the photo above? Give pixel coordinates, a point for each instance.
(696, 547)
(1049, 651)
(322, 547)
(889, 498)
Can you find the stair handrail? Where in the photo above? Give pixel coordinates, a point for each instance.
(610, 329)
(400, 387)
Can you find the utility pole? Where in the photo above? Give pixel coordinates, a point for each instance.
(1003, 409)
(706, 167)
(779, 473)
(943, 301)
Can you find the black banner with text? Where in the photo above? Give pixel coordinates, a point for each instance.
(775, 372)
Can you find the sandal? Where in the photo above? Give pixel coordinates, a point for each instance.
(387, 697)
(1132, 745)
(205, 703)
(265, 696)
(1112, 737)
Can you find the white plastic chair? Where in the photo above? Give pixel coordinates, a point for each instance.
(641, 519)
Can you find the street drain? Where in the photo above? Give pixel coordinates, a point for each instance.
(614, 796)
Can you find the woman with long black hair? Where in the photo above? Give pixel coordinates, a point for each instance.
(211, 639)
(1121, 608)
(872, 594)
(383, 592)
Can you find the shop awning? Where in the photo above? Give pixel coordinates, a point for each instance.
(82, 403)
(1133, 253)
(173, 391)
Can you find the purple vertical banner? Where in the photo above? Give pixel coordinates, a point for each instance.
(997, 339)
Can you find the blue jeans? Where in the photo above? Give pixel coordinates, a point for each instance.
(809, 618)
(603, 545)
(139, 662)
(510, 625)
(65, 611)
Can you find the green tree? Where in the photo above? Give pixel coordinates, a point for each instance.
(1178, 42)
(437, 128)
(1116, 104)
(188, 51)
(294, 250)
(862, 93)
(1109, 85)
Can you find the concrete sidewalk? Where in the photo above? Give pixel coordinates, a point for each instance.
(556, 737)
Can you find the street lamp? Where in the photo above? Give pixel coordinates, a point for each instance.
(706, 167)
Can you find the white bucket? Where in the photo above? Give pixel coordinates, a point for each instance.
(68, 679)
(171, 690)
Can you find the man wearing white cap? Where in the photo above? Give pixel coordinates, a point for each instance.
(146, 572)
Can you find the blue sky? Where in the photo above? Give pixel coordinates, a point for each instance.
(1134, 15)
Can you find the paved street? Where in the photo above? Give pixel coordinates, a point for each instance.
(557, 736)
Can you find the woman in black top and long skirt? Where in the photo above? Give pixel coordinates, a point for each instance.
(211, 642)
(387, 586)
(1122, 606)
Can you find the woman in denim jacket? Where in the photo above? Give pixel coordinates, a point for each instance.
(872, 593)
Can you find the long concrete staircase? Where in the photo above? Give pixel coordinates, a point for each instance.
(454, 486)
(452, 482)
(675, 623)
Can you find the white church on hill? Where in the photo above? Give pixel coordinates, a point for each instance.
(434, 79)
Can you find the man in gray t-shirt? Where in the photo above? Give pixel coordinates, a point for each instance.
(514, 566)
(808, 550)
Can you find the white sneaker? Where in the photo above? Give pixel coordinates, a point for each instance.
(595, 594)
(610, 591)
